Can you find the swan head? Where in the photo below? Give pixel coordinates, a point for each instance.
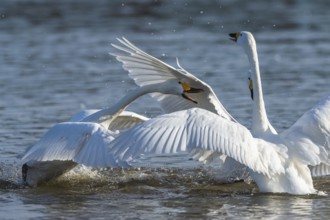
(188, 89)
(243, 38)
(175, 87)
(247, 41)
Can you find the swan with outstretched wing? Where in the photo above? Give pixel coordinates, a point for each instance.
(277, 162)
(145, 69)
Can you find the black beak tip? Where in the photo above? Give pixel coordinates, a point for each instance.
(232, 35)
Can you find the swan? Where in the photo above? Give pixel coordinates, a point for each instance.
(84, 139)
(146, 69)
(278, 163)
(260, 122)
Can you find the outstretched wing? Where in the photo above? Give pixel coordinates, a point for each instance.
(186, 130)
(82, 142)
(145, 69)
(320, 170)
(309, 138)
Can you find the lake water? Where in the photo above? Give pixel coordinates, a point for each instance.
(54, 62)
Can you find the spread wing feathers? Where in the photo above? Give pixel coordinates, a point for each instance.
(82, 142)
(187, 130)
(309, 137)
(320, 170)
(145, 69)
(204, 156)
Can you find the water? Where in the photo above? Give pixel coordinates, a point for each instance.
(54, 62)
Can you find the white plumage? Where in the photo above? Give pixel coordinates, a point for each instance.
(145, 69)
(86, 140)
(278, 163)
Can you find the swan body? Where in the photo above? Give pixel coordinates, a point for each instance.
(277, 162)
(85, 139)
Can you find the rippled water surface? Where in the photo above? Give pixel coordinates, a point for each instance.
(54, 62)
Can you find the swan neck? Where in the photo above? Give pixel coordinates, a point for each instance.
(105, 116)
(260, 122)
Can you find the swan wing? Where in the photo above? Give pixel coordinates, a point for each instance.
(320, 170)
(186, 130)
(309, 138)
(145, 69)
(82, 142)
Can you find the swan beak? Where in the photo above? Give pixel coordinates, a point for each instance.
(234, 36)
(188, 89)
(251, 88)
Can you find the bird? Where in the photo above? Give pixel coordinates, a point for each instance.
(146, 69)
(260, 123)
(278, 163)
(85, 138)
(138, 61)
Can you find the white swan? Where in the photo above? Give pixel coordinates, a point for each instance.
(85, 140)
(277, 163)
(260, 123)
(145, 69)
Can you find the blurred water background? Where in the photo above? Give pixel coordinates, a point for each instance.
(54, 62)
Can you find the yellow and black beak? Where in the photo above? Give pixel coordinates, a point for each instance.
(234, 36)
(188, 89)
(251, 88)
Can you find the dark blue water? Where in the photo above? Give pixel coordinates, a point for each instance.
(54, 62)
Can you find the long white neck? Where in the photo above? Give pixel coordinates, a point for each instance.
(105, 116)
(260, 122)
